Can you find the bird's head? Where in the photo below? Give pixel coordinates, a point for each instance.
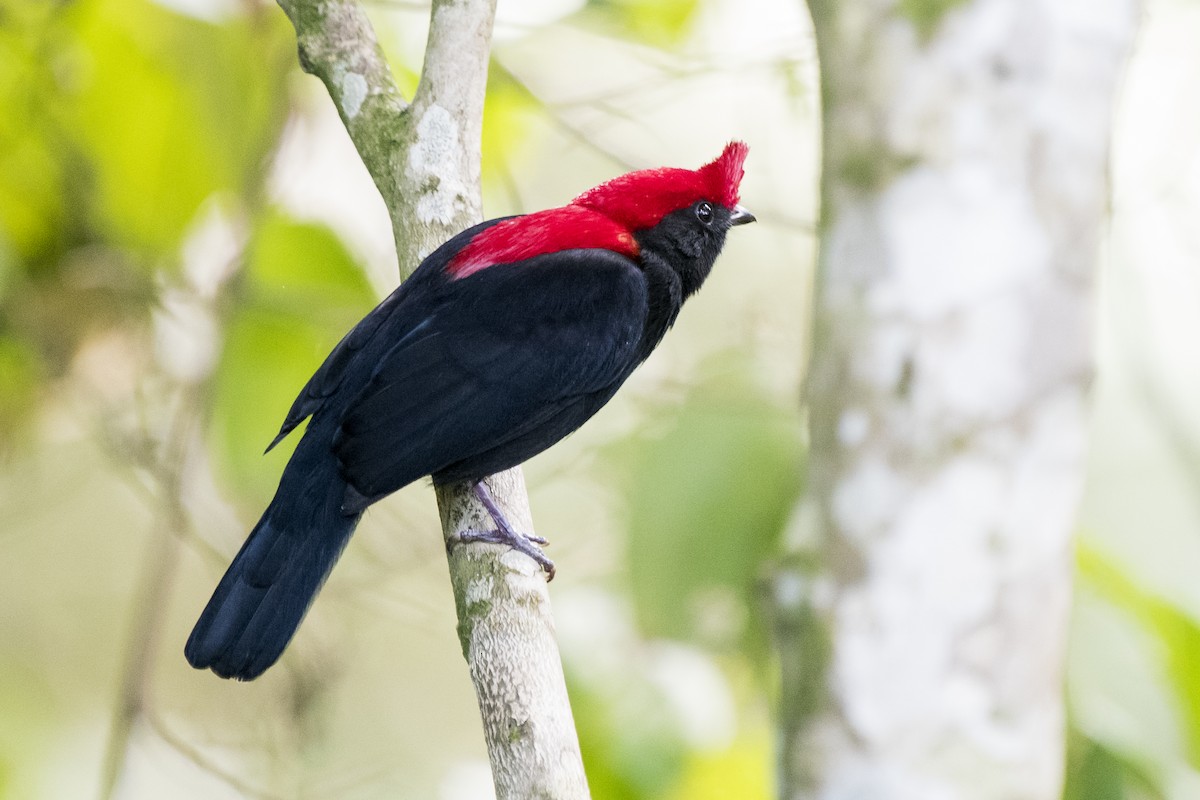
(678, 215)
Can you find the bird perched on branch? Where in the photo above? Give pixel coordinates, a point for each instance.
(503, 341)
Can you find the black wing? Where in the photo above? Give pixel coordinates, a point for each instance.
(516, 345)
(395, 317)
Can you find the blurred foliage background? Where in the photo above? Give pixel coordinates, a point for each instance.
(185, 231)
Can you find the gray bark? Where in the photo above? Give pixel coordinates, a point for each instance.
(964, 191)
(424, 159)
(505, 626)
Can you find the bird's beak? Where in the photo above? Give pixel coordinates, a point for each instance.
(740, 216)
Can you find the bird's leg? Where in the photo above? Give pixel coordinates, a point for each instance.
(504, 532)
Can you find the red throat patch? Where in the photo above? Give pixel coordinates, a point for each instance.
(606, 216)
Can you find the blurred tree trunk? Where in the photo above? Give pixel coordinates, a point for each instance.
(965, 193)
(424, 158)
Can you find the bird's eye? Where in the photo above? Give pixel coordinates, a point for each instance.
(704, 212)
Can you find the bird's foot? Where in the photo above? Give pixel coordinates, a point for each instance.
(504, 533)
(517, 541)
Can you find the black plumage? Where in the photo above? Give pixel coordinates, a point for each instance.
(456, 375)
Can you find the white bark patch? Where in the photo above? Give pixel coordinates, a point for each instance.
(863, 503)
(479, 590)
(1046, 483)
(354, 92)
(954, 237)
(974, 367)
(853, 778)
(963, 255)
(433, 166)
(519, 565)
(888, 348)
(898, 630)
(853, 427)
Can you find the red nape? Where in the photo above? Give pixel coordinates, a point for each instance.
(551, 231)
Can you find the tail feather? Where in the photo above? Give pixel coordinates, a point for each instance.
(265, 593)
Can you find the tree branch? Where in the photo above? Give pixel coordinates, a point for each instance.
(424, 158)
(507, 636)
(336, 43)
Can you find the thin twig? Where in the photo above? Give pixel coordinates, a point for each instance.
(201, 760)
(158, 573)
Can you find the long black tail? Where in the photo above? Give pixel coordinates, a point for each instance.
(272, 581)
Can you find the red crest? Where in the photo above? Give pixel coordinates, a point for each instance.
(608, 215)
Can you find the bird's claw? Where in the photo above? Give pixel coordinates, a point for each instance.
(504, 532)
(522, 543)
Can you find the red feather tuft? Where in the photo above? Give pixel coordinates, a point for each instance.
(725, 172)
(640, 200)
(608, 215)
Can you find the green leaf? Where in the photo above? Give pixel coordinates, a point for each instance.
(507, 121)
(743, 771)
(302, 292)
(31, 209)
(707, 501)
(303, 269)
(631, 749)
(1095, 772)
(657, 22)
(169, 110)
(31, 196)
(21, 371)
(926, 15)
(1178, 632)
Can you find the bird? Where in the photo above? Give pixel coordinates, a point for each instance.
(503, 341)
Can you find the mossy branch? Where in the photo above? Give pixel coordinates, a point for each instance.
(424, 159)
